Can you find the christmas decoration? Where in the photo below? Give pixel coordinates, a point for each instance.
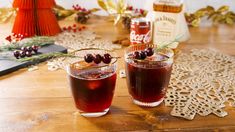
(27, 42)
(35, 17)
(74, 28)
(121, 11)
(82, 14)
(82, 17)
(220, 16)
(15, 37)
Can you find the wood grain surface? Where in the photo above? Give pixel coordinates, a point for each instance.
(41, 100)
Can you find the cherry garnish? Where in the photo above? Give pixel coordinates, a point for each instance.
(23, 49)
(35, 48)
(149, 51)
(22, 54)
(29, 49)
(98, 58)
(107, 58)
(136, 55)
(28, 53)
(89, 58)
(17, 54)
(143, 55)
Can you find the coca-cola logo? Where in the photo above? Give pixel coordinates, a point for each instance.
(140, 38)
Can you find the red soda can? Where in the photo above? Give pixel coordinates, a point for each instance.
(140, 31)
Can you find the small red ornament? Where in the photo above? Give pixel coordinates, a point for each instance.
(74, 28)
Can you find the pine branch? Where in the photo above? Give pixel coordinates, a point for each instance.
(45, 56)
(37, 41)
(159, 48)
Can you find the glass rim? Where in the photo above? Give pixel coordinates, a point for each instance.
(148, 46)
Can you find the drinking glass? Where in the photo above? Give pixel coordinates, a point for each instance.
(148, 79)
(92, 85)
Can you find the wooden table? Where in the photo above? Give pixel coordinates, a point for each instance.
(41, 100)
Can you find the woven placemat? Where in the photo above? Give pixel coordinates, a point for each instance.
(202, 82)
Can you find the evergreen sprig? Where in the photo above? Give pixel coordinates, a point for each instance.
(159, 48)
(45, 57)
(37, 41)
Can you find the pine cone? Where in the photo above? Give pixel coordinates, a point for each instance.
(126, 21)
(82, 17)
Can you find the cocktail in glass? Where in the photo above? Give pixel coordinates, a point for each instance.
(148, 78)
(92, 85)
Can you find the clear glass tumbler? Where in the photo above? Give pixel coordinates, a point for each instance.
(92, 85)
(148, 79)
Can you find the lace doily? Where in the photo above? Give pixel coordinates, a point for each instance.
(202, 82)
(77, 41)
(84, 39)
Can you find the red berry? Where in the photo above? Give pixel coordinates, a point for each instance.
(22, 54)
(8, 38)
(130, 8)
(30, 49)
(149, 51)
(141, 11)
(23, 49)
(64, 28)
(28, 54)
(35, 48)
(74, 30)
(78, 8)
(84, 10)
(74, 25)
(79, 29)
(136, 55)
(89, 58)
(83, 27)
(17, 54)
(107, 58)
(98, 59)
(143, 55)
(69, 28)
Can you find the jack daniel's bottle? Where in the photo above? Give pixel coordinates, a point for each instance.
(168, 21)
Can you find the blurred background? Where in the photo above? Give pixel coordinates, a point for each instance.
(191, 5)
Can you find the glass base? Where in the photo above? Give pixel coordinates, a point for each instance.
(93, 114)
(153, 104)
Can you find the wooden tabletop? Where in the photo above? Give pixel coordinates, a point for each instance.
(41, 100)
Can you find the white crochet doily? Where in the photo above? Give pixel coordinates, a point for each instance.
(202, 82)
(84, 39)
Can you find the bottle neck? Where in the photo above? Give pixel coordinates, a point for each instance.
(171, 6)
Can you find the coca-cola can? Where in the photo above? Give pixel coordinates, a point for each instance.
(140, 31)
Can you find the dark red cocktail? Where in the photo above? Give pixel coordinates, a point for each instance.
(148, 79)
(92, 87)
